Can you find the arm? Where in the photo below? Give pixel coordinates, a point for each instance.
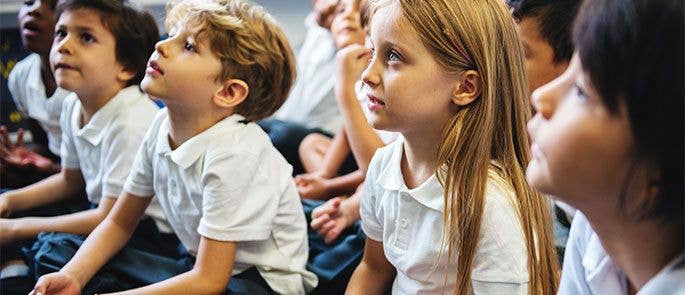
(316, 187)
(81, 223)
(210, 274)
(362, 137)
(103, 243)
(374, 274)
(55, 188)
(335, 155)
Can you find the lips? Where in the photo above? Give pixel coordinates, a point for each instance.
(153, 68)
(64, 66)
(375, 100)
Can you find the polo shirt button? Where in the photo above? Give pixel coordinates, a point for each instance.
(404, 223)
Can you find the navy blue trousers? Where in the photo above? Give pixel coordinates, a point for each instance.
(333, 263)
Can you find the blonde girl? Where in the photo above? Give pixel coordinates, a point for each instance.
(446, 208)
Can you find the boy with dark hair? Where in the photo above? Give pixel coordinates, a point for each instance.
(544, 27)
(99, 53)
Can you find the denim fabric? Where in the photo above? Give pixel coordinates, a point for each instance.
(333, 263)
(149, 257)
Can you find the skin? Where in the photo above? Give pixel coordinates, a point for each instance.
(582, 155)
(541, 67)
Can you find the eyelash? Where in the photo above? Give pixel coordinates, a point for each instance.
(85, 37)
(189, 46)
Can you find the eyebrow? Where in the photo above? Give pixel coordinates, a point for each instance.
(77, 28)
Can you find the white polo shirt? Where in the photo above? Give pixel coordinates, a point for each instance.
(588, 269)
(104, 149)
(229, 183)
(28, 91)
(312, 102)
(409, 223)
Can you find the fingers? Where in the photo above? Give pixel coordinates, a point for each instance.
(332, 234)
(318, 222)
(20, 138)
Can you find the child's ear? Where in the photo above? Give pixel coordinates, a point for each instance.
(125, 75)
(467, 88)
(232, 93)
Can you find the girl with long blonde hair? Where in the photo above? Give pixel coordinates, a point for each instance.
(446, 208)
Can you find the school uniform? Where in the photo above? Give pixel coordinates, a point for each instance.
(28, 91)
(103, 151)
(409, 223)
(588, 269)
(228, 183)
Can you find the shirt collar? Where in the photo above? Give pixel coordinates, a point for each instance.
(94, 131)
(601, 274)
(430, 193)
(191, 150)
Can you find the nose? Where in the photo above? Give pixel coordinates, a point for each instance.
(63, 46)
(161, 47)
(370, 75)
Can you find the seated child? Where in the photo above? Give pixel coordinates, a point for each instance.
(99, 53)
(226, 191)
(38, 99)
(544, 28)
(335, 239)
(446, 207)
(310, 107)
(608, 140)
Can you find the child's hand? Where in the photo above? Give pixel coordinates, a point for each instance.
(350, 63)
(312, 186)
(333, 217)
(17, 155)
(56, 283)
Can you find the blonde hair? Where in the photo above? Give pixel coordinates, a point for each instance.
(486, 136)
(251, 46)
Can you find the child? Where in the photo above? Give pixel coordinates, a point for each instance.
(99, 53)
(310, 107)
(336, 241)
(38, 98)
(446, 207)
(608, 140)
(544, 28)
(225, 190)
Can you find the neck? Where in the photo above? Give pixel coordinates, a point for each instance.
(185, 124)
(639, 248)
(420, 156)
(93, 102)
(47, 76)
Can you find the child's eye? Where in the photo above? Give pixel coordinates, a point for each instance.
(580, 94)
(393, 56)
(88, 38)
(189, 46)
(29, 2)
(59, 34)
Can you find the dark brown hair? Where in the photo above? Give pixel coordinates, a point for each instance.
(134, 30)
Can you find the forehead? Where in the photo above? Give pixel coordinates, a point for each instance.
(83, 18)
(388, 25)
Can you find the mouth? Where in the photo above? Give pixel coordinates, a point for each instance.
(153, 68)
(30, 28)
(375, 103)
(64, 66)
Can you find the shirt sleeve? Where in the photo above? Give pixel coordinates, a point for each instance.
(239, 200)
(140, 179)
(14, 87)
(370, 223)
(69, 156)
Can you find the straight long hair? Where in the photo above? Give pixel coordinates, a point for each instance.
(486, 136)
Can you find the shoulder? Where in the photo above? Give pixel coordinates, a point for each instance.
(21, 72)
(138, 108)
(502, 241)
